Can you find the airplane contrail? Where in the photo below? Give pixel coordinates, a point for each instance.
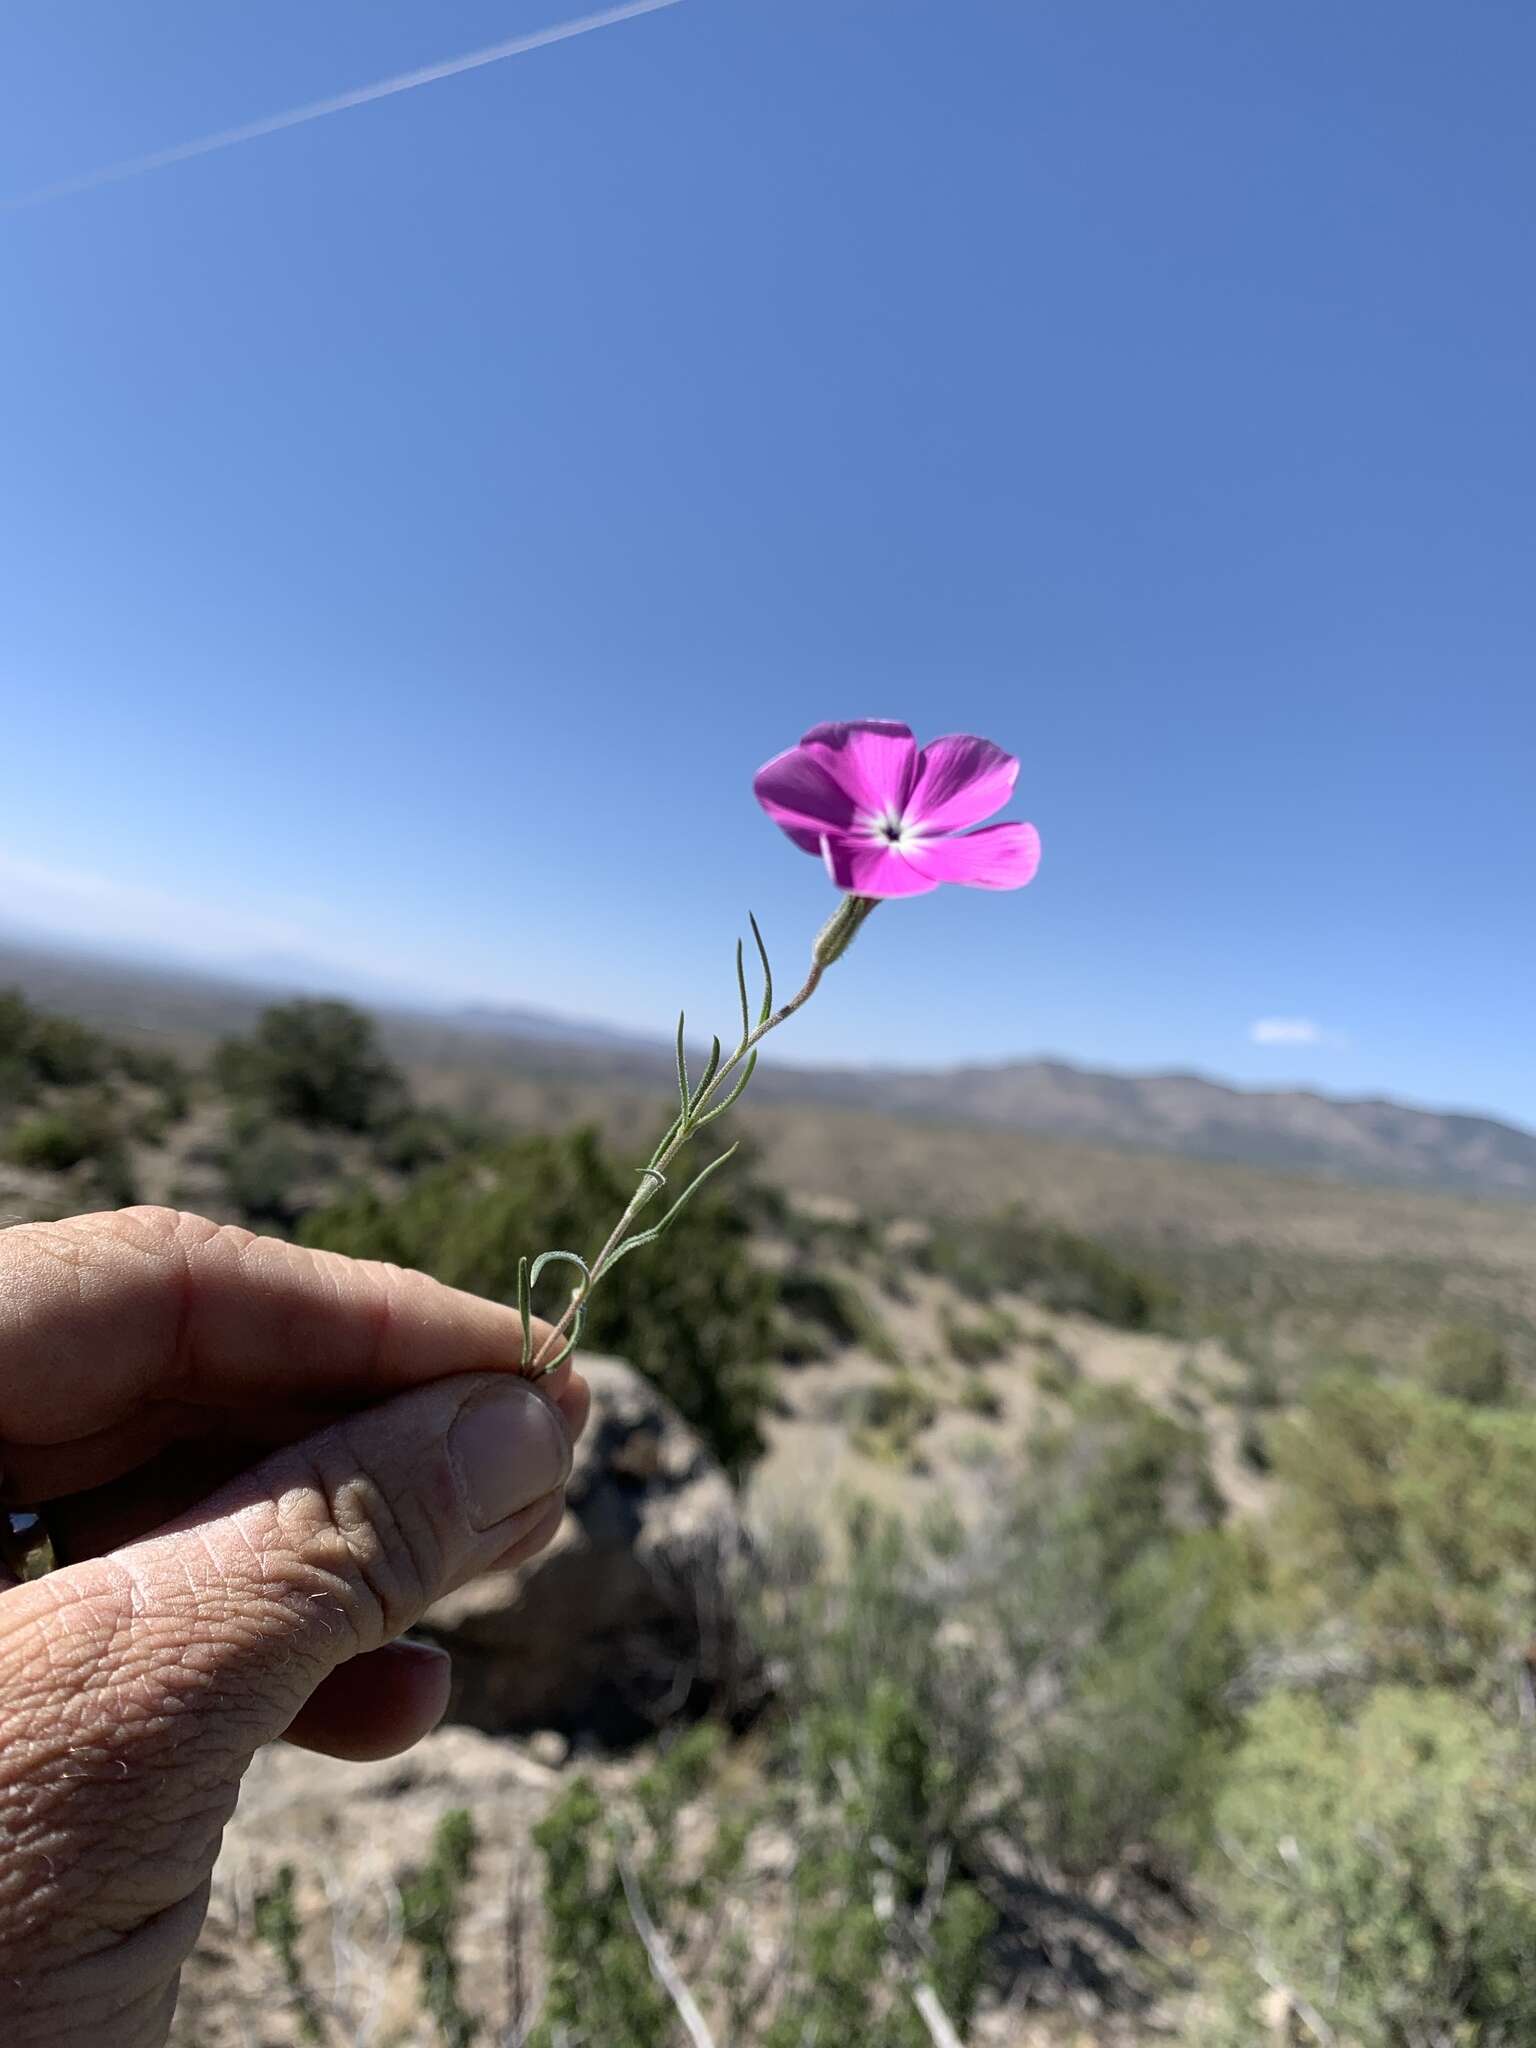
(405, 81)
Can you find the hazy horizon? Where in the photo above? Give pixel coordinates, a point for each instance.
(283, 976)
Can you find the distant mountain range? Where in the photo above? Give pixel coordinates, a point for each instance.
(1291, 1130)
(1391, 1144)
(492, 1021)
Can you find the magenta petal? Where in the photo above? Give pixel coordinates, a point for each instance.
(873, 759)
(960, 781)
(868, 867)
(996, 857)
(800, 796)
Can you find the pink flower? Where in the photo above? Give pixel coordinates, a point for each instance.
(886, 816)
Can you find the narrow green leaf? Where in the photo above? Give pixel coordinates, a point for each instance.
(762, 954)
(573, 1335)
(682, 1066)
(736, 1093)
(567, 1258)
(741, 984)
(633, 1244)
(525, 1309)
(712, 1067)
(572, 1339)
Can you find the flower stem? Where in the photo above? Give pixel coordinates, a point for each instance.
(832, 942)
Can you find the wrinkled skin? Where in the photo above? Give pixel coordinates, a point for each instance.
(260, 1466)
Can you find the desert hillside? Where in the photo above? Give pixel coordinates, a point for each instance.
(974, 1530)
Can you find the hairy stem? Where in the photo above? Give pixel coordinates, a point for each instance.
(831, 944)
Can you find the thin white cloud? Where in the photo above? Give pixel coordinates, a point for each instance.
(280, 943)
(1289, 1031)
(77, 904)
(339, 103)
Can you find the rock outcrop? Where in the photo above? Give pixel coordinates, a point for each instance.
(629, 1617)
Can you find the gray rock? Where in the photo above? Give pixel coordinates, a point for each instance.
(629, 1618)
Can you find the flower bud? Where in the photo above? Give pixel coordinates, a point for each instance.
(841, 928)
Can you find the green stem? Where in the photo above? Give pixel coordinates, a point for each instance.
(832, 942)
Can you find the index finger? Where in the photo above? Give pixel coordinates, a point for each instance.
(100, 1315)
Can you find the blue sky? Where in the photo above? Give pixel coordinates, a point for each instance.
(418, 524)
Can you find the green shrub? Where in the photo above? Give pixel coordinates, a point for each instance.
(41, 1055)
(431, 1906)
(80, 1132)
(890, 1735)
(941, 1530)
(841, 1962)
(859, 1953)
(1264, 1384)
(1014, 1253)
(18, 1082)
(892, 1414)
(977, 1398)
(1469, 1363)
(161, 1071)
(815, 1235)
(1058, 1372)
(39, 1052)
(314, 1063)
(1115, 1477)
(979, 1340)
(64, 1054)
(1253, 1444)
(600, 1984)
(264, 1167)
(863, 1648)
(1410, 1516)
(278, 1927)
(1115, 1601)
(693, 1311)
(419, 1138)
(834, 1310)
(1380, 1874)
(1135, 1755)
(55, 1141)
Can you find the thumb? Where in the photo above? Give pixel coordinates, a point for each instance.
(135, 1688)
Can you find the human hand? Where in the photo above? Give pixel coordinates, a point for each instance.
(260, 1465)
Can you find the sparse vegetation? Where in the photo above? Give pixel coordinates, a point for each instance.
(278, 1925)
(980, 1339)
(431, 1902)
(79, 1137)
(1467, 1362)
(977, 1397)
(824, 1312)
(38, 1051)
(1300, 1737)
(871, 1774)
(1410, 1515)
(1015, 1253)
(60, 1139)
(890, 1415)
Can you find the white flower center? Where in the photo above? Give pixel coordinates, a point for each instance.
(890, 830)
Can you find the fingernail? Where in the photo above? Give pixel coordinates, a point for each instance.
(510, 1449)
